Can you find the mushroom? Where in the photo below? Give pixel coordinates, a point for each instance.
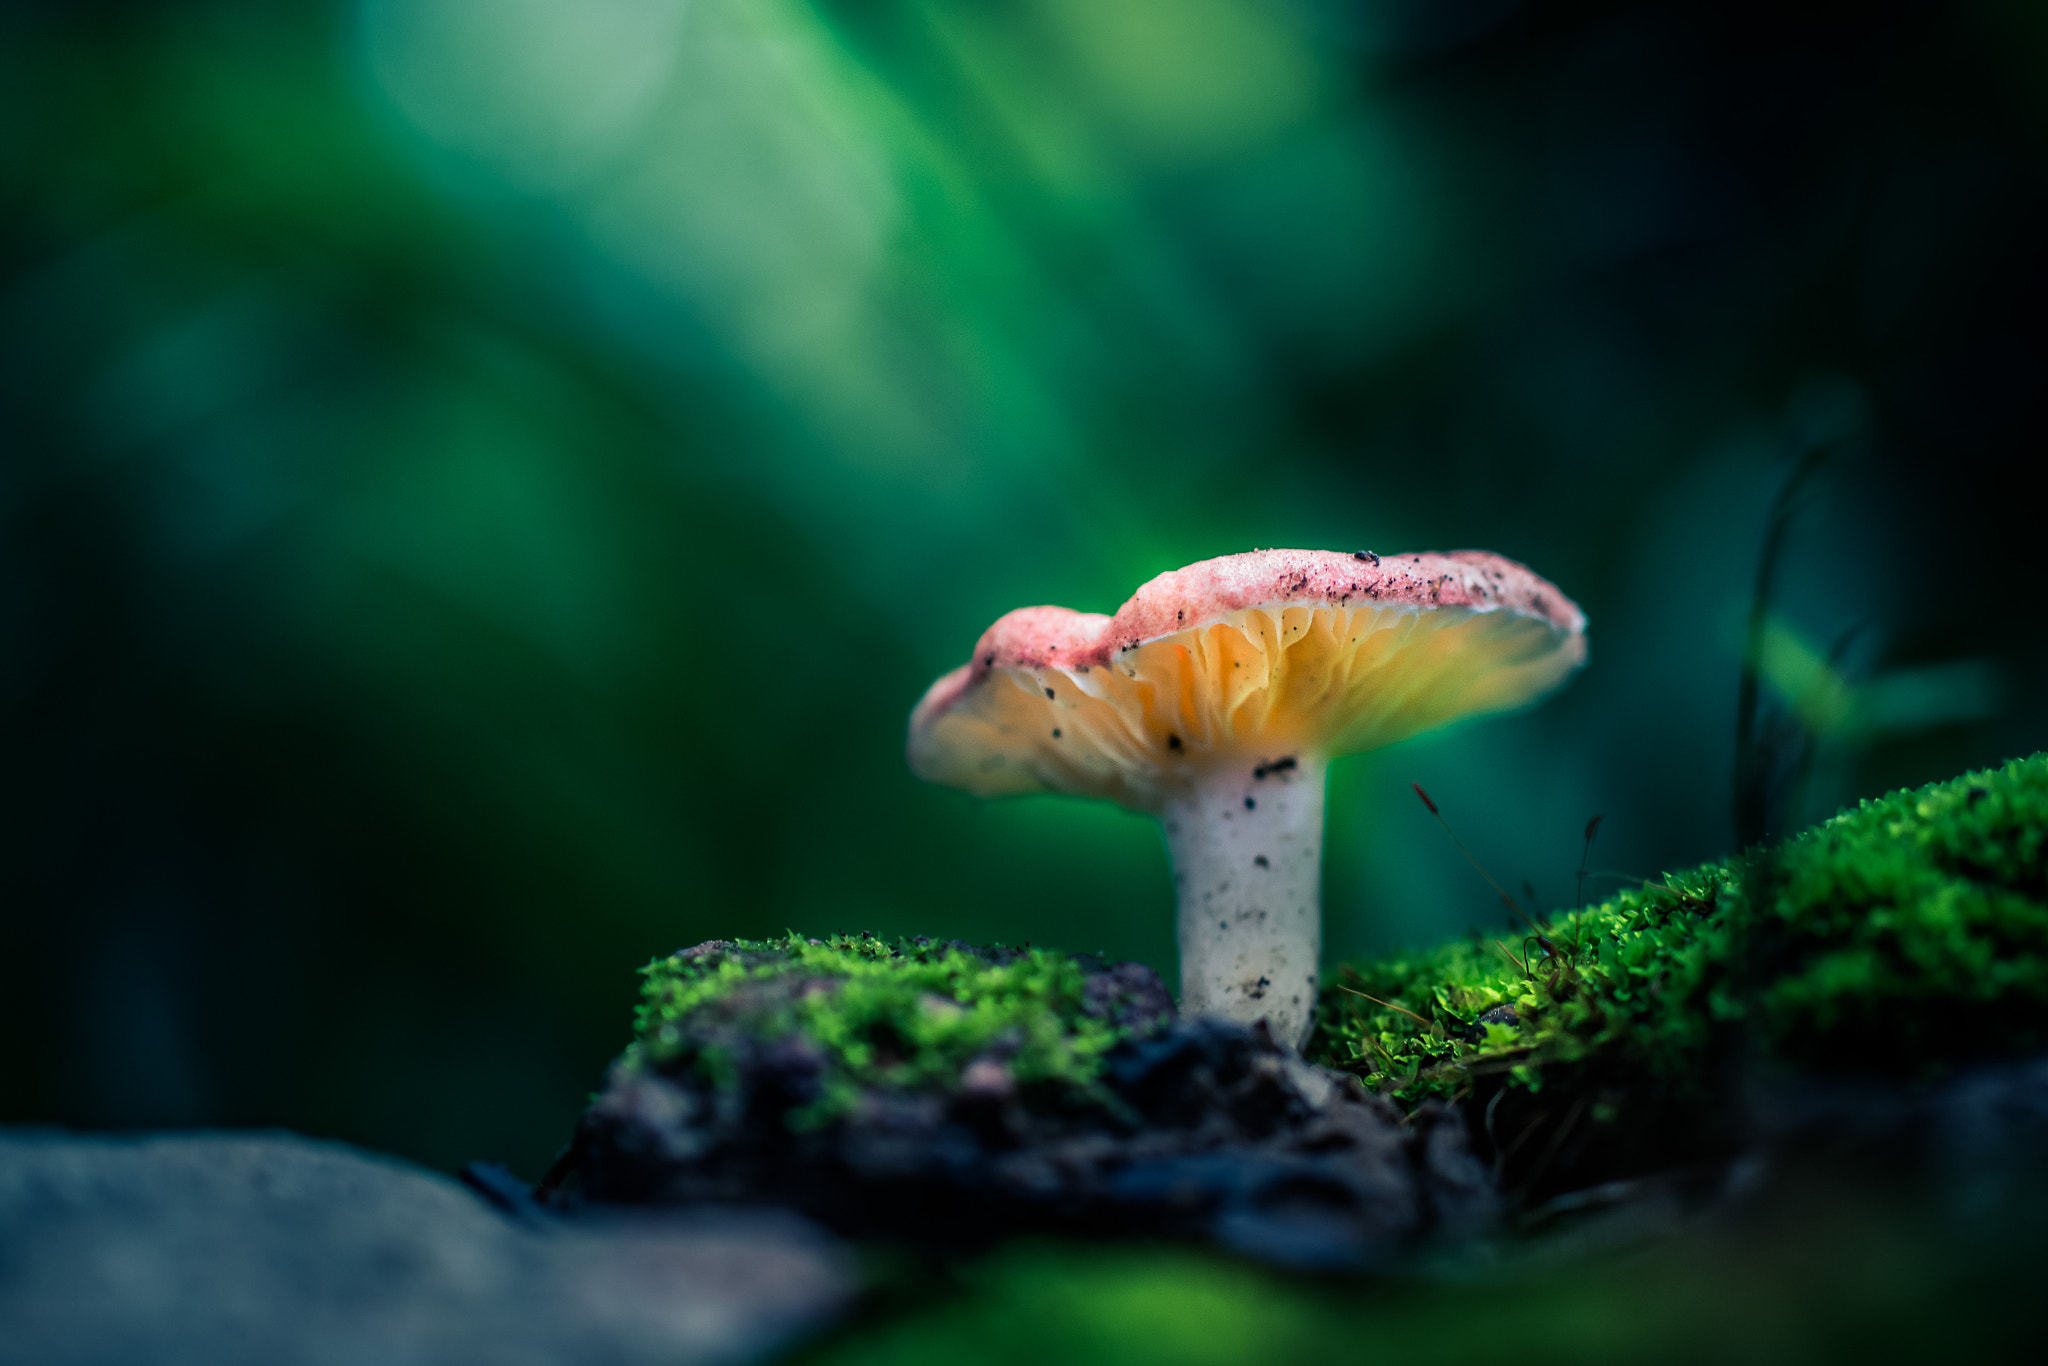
(1216, 697)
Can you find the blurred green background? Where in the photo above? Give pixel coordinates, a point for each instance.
(485, 480)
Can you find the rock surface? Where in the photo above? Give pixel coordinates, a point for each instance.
(1196, 1129)
(269, 1248)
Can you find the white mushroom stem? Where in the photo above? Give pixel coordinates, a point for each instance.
(1247, 850)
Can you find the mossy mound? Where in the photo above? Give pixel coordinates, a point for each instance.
(869, 1015)
(953, 1095)
(916, 1086)
(1902, 938)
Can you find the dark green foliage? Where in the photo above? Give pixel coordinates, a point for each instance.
(1903, 936)
(904, 1016)
(1050, 1302)
(1824, 1281)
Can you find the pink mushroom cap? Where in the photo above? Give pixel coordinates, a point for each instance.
(1254, 655)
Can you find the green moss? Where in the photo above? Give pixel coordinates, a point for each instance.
(903, 1016)
(1901, 937)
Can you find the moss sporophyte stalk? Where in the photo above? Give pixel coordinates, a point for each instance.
(1901, 937)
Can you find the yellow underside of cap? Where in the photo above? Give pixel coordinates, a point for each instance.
(1257, 686)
